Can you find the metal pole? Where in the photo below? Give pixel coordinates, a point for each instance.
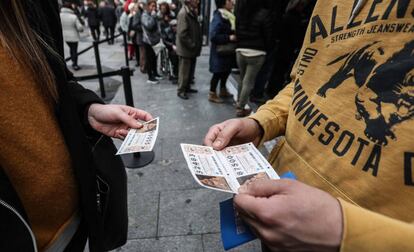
(99, 68)
(135, 160)
(124, 34)
(126, 79)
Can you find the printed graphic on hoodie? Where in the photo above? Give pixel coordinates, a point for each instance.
(385, 97)
(365, 54)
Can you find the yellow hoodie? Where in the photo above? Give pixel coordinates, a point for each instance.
(348, 118)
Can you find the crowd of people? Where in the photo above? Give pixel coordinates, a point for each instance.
(261, 39)
(345, 120)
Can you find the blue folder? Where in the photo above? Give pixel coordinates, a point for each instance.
(234, 232)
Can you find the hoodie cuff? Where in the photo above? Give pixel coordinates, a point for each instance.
(365, 230)
(269, 123)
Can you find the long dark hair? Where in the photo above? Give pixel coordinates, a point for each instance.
(25, 46)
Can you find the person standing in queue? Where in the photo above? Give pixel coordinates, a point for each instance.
(254, 29)
(48, 173)
(222, 32)
(109, 19)
(188, 43)
(71, 27)
(94, 20)
(150, 37)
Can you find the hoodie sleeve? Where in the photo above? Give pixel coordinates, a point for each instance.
(273, 115)
(368, 231)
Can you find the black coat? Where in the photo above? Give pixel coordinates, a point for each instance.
(108, 16)
(92, 14)
(254, 31)
(78, 135)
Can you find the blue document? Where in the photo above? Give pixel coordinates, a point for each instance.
(234, 232)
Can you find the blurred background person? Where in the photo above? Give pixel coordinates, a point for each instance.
(294, 24)
(254, 39)
(71, 26)
(94, 20)
(189, 42)
(164, 12)
(258, 92)
(136, 33)
(222, 32)
(124, 24)
(119, 9)
(109, 19)
(169, 36)
(151, 37)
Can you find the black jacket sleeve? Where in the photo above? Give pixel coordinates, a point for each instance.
(46, 22)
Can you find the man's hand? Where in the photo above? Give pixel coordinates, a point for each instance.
(232, 132)
(290, 216)
(115, 120)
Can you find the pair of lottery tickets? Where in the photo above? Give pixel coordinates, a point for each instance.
(228, 169)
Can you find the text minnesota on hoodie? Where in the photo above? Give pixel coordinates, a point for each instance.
(354, 88)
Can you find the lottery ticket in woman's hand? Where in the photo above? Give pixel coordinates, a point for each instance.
(140, 140)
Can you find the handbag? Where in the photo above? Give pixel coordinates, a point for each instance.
(226, 49)
(111, 194)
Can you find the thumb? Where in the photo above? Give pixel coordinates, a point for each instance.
(129, 120)
(225, 135)
(266, 187)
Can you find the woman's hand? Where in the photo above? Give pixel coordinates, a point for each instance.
(115, 120)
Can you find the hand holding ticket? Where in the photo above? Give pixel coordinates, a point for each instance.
(140, 140)
(228, 169)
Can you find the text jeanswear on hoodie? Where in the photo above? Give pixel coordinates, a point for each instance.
(348, 118)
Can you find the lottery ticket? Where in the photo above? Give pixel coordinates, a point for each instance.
(140, 140)
(228, 169)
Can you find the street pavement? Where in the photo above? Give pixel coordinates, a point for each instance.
(168, 210)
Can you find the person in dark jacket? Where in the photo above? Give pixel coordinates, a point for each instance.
(169, 35)
(257, 95)
(151, 37)
(109, 19)
(189, 41)
(222, 31)
(136, 33)
(94, 20)
(294, 23)
(48, 191)
(254, 39)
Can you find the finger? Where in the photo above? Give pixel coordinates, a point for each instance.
(249, 205)
(128, 120)
(143, 115)
(225, 135)
(212, 135)
(266, 187)
(122, 133)
(138, 114)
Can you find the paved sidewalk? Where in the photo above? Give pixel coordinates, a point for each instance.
(168, 211)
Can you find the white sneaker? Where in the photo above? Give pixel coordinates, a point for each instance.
(152, 81)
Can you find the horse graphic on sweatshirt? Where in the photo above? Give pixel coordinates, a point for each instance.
(385, 95)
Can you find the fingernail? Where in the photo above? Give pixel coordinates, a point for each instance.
(217, 143)
(139, 124)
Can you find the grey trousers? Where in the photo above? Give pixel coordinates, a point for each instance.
(249, 68)
(186, 71)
